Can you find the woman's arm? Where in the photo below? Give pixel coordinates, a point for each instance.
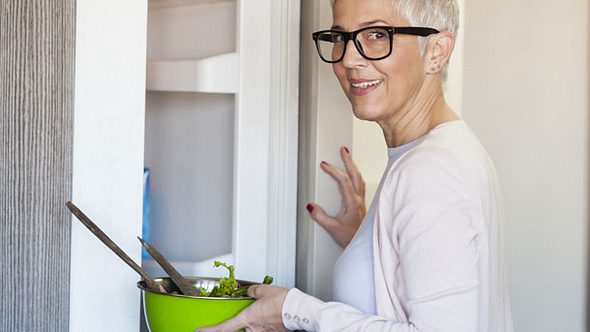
(305, 312)
(429, 249)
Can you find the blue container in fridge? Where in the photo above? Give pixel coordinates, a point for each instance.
(145, 233)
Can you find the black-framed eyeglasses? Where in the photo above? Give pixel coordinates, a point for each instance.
(373, 43)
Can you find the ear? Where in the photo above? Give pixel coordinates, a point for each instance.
(438, 51)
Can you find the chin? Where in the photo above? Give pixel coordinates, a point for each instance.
(366, 112)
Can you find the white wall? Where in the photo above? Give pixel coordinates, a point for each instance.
(108, 161)
(526, 96)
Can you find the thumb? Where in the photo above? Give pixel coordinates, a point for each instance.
(321, 217)
(253, 291)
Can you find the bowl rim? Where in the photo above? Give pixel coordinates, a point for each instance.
(141, 285)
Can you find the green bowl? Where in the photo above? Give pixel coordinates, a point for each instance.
(179, 313)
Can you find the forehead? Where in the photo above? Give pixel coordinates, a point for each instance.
(354, 14)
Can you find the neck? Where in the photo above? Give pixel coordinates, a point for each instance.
(426, 111)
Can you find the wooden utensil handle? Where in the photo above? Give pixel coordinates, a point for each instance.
(182, 283)
(112, 245)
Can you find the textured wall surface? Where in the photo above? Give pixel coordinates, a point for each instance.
(36, 123)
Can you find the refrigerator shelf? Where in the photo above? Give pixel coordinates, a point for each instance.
(217, 74)
(163, 4)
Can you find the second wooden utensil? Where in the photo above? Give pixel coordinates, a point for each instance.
(184, 285)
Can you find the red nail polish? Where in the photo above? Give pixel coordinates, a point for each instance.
(309, 207)
(346, 149)
(324, 163)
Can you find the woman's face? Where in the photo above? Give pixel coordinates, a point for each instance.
(395, 80)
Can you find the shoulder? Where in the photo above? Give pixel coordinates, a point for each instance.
(449, 161)
(442, 181)
(449, 144)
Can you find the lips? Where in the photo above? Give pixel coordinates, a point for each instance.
(361, 87)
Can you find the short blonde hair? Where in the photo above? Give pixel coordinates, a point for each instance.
(442, 15)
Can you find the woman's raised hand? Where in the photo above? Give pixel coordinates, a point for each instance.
(344, 225)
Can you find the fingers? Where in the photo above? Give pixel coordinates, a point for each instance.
(231, 325)
(319, 215)
(353, 172)
(343, 180)
(341, 232)
(343, 226)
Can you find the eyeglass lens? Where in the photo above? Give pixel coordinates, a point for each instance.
(372, 43)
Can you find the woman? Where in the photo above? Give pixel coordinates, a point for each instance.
(427, 256)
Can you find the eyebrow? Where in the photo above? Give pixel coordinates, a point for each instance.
(365, 24)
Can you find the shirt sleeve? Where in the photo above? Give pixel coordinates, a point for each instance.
(438, 249)
(305, 312)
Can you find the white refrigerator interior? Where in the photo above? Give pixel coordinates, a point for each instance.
(189, 141)
(222, 164)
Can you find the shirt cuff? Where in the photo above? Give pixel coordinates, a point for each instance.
(298, 310)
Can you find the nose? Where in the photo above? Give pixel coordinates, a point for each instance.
(352, 57)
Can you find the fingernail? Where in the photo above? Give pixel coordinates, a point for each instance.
(324, 163)
(346, 149)
(310, 207)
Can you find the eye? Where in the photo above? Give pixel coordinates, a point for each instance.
(376, 34)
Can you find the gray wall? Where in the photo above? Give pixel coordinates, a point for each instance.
(36, 120)
(526, 96)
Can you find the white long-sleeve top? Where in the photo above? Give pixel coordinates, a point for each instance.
(353, 281)
(437, 246)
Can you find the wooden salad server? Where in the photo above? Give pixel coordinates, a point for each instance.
(150, 282)
(185, 286)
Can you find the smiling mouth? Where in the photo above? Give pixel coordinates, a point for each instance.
(361, 88)
(364, 85)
